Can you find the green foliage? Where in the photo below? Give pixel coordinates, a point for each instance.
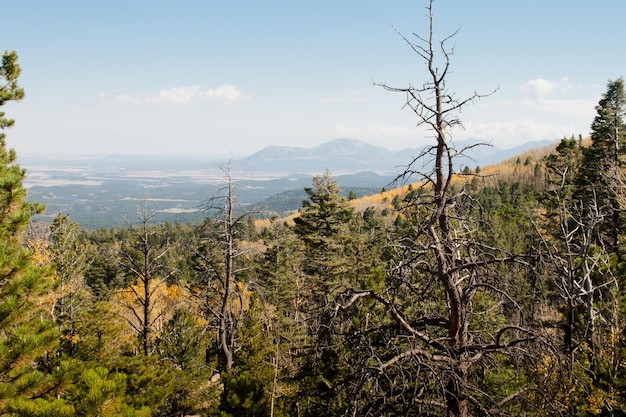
(100, 392)
(565, 162)
(70, 260)
(603, 161)
(182, 346)
(149, 382)
(39, 407)
(104, 270)
(26, 337)
(182, 342)
(98, 336)
(280, 267)
(323, 226)
(9, 88)
(246, 396)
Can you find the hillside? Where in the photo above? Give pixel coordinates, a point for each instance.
(525, 169)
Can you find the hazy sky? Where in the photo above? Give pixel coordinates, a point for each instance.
(231, 77)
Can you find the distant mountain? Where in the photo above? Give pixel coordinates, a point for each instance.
(487, 155)
(509, 153)
(338, 156)
(351, 155)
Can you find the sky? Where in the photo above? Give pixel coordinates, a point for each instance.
(204, 77)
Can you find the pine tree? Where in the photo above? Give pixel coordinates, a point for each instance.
(563, 167)
(27, 339)
(323, 226)
(181, 346)
(603, 160)
(328, 265)
(70, 258)
(283, 288)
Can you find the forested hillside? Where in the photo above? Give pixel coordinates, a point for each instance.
(480, 291)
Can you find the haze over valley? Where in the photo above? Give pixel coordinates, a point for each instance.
(105, 191)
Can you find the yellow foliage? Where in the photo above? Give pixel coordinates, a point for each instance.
(173, 292)
(164, 298)
(241, 298)
(262, 224)
(595, 403)
(40, 252)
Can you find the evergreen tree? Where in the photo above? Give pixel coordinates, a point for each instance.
(181, 346)
(328, 265)
(283, 289)
(70, 259)
(104, 272)
(105, 377)
(563, 167)
(323, 227)
(27, 339)
(101, 393)
(604, 159)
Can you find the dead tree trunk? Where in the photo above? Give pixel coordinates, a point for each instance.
(226, 329)
(437, 116)
(222, 267)
(142, 257)
(460, 263)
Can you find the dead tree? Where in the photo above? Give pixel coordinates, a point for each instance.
(425, 343)
(582, 281)
(142, 255)
(216, 258)
(587, 287)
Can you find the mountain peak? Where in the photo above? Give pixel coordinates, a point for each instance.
(277, 153)
(345, 146)
(350, 155)
(341, 154)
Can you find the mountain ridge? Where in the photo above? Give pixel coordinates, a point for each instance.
(354, 155)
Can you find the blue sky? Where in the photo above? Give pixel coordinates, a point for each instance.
(218, 78)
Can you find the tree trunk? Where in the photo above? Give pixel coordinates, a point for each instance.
(226, 325)
(456, 393)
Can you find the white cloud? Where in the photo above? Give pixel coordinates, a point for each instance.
(516, 132)
(581, 109)
(539, 88)
(515, 122)
(186, 95)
